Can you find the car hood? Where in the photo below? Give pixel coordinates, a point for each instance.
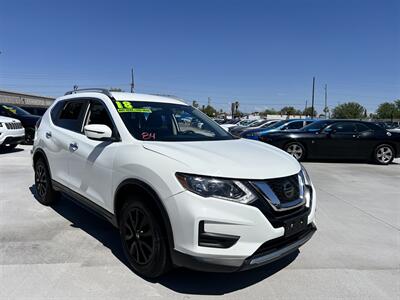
(7, 119)
(31, 119)
(239, 158)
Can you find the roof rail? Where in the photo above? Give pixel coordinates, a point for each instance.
(99, 90)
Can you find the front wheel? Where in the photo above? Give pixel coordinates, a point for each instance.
(296, 150)
(29, 135)
(44, 189)
(8, 147)
(143, 241)
(384, 154)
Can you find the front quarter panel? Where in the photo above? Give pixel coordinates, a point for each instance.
(132, 161)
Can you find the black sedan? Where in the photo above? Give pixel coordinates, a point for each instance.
(339, 139)
(28, 120)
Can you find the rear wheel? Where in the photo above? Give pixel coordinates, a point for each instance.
(44, 189)
(296, 150)
(143, 241)
(384, 154)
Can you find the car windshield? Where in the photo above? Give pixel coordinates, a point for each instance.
(15, 110)
(152, 121)
(278, 124)
(258, 123)
(316, 126)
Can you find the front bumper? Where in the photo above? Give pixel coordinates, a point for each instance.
(12, 137)
(276, 250)
(221, 217)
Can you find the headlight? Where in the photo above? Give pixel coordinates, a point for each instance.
(226, 189)
(307, 189)
(305, 176)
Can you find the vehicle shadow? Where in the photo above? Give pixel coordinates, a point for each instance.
(179, 280)
(13, 150)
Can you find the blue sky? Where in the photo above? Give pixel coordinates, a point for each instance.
(262, 53)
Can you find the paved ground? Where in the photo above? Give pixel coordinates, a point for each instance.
(64, 252)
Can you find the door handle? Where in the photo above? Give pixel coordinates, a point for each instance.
(48, 134)
(73, 147)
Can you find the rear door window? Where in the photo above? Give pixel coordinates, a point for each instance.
(362, 128)
(71, 115)
(345, 127)
(295, 125)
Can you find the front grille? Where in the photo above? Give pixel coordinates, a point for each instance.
(286, 189)
(13, 125)
(282, 193)
(275, 205)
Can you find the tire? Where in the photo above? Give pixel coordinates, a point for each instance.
(29, 135)
(143, 241)
(8, 147)
(384, 154)
(45, 193)
(297, 150)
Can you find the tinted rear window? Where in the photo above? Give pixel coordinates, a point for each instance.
(71, 115)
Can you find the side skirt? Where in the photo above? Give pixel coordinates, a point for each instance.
(86, 203)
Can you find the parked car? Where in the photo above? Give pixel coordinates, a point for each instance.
(245, 123)
(237, 130)
(28, 120)
(397, 130)
(339, 139)
(12, 133)
(291, 124)
(179, 197)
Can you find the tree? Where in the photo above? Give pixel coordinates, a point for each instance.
(112, 89)
(388, 110)
(269, 111)
(308, 112)
(209, 111)
(397, 102)
(349, 110)
(195, 104)
(288, 110)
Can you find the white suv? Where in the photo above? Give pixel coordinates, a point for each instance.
(180, 195)
(12, 133)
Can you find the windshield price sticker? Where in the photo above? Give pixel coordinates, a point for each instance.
(126, 106)
(14, 111)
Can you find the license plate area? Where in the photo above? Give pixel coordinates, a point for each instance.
(295, 225)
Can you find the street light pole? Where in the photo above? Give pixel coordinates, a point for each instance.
(312, 100)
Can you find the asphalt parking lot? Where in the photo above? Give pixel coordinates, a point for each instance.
(64, 252)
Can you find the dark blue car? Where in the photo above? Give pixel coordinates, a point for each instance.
(291, 124)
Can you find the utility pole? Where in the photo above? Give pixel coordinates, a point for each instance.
(312, 99)
(132, 82)
(326, 109)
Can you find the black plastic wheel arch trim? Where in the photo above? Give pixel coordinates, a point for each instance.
(156, 198)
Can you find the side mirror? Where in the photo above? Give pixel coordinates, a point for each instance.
(98, 132)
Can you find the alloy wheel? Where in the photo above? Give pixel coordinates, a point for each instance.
(384, 154)
(139, 236)
(295, 150)
(41, 180)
